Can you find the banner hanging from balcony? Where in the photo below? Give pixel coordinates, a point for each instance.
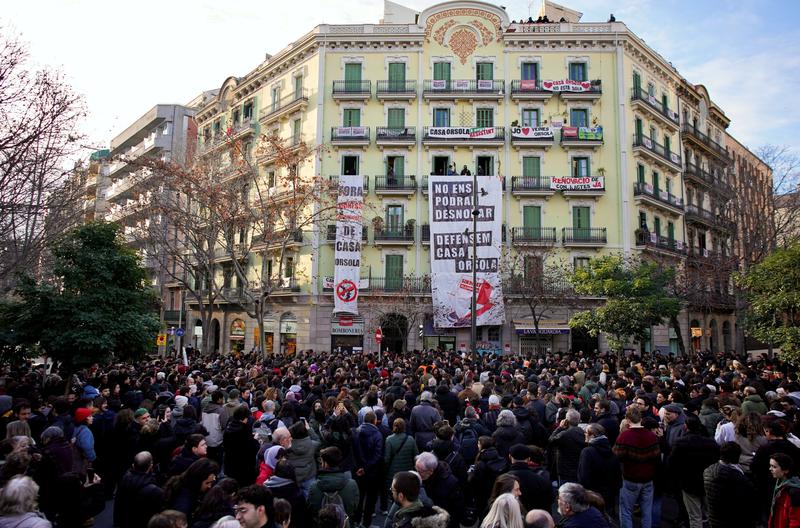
(578, 183)
(567, 85)
(451, 251)
(347, 258)
(587, 133)
(351, 131)
(532, 132)
(462, 132)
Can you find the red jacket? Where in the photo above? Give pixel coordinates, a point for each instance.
(786, 505)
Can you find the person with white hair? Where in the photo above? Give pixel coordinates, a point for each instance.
(423, 416)
(573, 505)
(504, 513)
(507, 433)
(18, 506)
(567, 442)
(441, 486)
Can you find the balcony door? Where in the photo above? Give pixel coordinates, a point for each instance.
(441, 117)
(352, 77)
(532, 221)
(581, 223)
(394, 219)
(397, 76)
(394, 272)
(530, 71)
(441, 71)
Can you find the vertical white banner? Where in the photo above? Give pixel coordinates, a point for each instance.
(349, 218)
(450, 202)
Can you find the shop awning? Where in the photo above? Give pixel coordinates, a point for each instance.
(526, 327)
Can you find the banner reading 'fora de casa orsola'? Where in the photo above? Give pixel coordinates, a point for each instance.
(450, 202)
(347, 258)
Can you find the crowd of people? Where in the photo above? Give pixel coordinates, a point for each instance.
(422, 439)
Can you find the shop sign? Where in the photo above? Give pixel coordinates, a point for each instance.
(697, 331)
(237, 329)
(288, 327)
(351, 131)
(532, 132)
(583, 183)
(542, 331)
(347, 326)
(462, 132)
(567, 85)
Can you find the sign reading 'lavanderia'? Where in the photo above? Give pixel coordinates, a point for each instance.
(451, 251)
(347, 257)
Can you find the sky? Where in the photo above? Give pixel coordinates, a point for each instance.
(125, 57)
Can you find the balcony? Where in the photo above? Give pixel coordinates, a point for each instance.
(291, 239)
(584, 236)
(395, 185)
(464, 136)
(532, 137)
(352, 90)
(656, 152)
(692, 135)
(390, 285)
(396, 90)
(286, 285)
(696, 174)
(699, 215)
(356, 136)
(284, 107)
(582, 137)
(580, 90)
(398, 236)
(645, 193)
(238, 251)
(330, 234)
(529, 285)
(533, 236)
(334, 183)
(242, 129)
(122, 188)
(659, 244)
(463, 89)
(395, 137)
(172, 316)
(531, 186)
(580, 186)
(654, 108)
(529, 90)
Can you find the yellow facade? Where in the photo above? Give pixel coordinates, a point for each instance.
(380, 75)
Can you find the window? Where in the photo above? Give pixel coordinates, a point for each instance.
(352, 75)
(642, 220)
(397, 164)
(351, 117)
(640, 173)
(271, 179)
(288, 268)
(397, 118)
(580, 221)
(217, 128)
(394, 218)
(530, 71)
(493, 334)
(248, 111)
(580, 262)
(298, 87)
(577, 71)
(350, 164)
(579, 117)
(296, 129)
(394, 272)
(207, 134)
(580, 167)
(657, 225)
(532, 219)
(532, 265)
(530, 117)
(397, 76)
(484, 71)
(667, 145)
(653, 134)
(637, 83)
(669, 185)
(651, 89)
(236, 117)
(484, 165)
(664, 102)
(639, 128)
(276, 98)
(441, 71)
(671, 231)
(441, 117)
(484, 117)
(531, 166)
(171, 300)
(656, 182)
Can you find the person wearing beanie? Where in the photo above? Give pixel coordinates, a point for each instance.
(84, 439)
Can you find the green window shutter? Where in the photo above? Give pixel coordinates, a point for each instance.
(484, 117)
(579, 117)
(580, 167)
(667, 145)
(640, 173)
(531, 166)
(637, 83)
(669, 186)
(441, 71)
(397, 118)
(639, 126)
(529, 71)
(532, 217)
(656, 182)
(657, 225)
(664, 102)
(484, 71)
(670, 230)
(394, 272)
(398, 162)
(580, 218)
(296, 130)
(352, 72)
(352, 117)
(298, 87)
(642, 220)
(397, 72)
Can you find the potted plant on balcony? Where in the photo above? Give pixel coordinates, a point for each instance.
(377, 224)
(410, 226)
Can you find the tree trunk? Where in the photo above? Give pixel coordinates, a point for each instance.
(673, 321)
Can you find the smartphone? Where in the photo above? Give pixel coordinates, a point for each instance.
(90, 475)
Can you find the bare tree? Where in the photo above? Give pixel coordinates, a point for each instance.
(396, 305)
(785, 209)
(39, 116)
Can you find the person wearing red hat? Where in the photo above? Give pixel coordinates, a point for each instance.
(84, 439)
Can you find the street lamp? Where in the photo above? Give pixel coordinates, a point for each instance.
(473, 340)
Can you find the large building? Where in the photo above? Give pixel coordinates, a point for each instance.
(555, 105)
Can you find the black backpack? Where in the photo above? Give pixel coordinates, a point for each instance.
(468, 440)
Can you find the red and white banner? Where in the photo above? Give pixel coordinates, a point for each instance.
(347, 253)
(577, 183)
(528, 85)
(532, 132)
(567, 85)
(462, 132)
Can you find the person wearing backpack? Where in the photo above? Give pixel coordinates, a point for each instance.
(333, 485)
(213, 418)
(468, 430)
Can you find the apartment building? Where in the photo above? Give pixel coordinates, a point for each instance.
(602, 147)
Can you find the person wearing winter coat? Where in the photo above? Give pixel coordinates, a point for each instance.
(369, 459)
(441, 486)
(537, 491)
(138, 497)
(423, 416)
(726, 484)
(507, 433)
(691, 454)
(573, 505)
(785, 510)
(488, 466)
(57, 459)
(84, 439)
(567, 442)
(303, 454)
(598, 467)
(412, 512)
(193, 450)
(489, 417)
(18, 505)
(399, 451)
(240, 448)
(283, 485)
(760, 466)
(674, 418)
(448, 403)
(213, 416)
(609, 422)
(710, 415)
(753, 402)
(332, 481)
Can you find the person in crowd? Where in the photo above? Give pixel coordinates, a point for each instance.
(536, 491)
(750, 437)
(84, 439)
(440, 485)
(609, 422)
(254, 507)
(505, 512)
(333, 484)
(194, 448)
(283, 485)
(725, 484)
(423, 417)
(760, 465)
(598, 467)
(217, 504)
(138, 496)
(638, 451)
(539, 519)
(18, 505)
(240, 447)
(566, 443)
(168, 519)
(507, 433)
(488, 466)
(369, 456)
(185, 491)
(785, 509)
(405, 489)
(212, 418)
(303, 454)
(574, 507)
(399, 451)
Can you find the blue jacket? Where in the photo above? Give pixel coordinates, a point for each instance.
(84, 439)
(591, 518)
(369, 447)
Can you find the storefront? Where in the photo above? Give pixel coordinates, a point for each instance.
(236, 336)
(347, 333)
(443, 339)
(288, 334)
(542, 340)
(269, 336)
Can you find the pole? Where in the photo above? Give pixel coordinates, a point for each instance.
(473, 316)
(180, 321)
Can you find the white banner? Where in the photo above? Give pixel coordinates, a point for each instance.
(451, 251)
(581, 183)
(485, 84)
(461, 132)
(438, 84)
(532, 132)
(567, 85)
(347, 263)
(351, 131)
(461, 84)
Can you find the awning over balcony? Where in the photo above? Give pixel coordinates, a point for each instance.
(526, 327)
